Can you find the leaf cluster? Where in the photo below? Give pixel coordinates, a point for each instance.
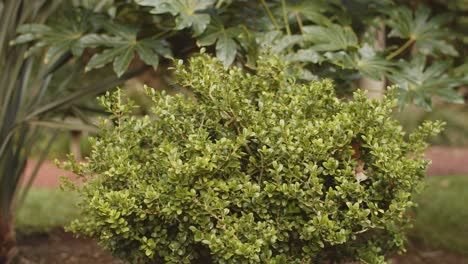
(324, 39)
(254, 168)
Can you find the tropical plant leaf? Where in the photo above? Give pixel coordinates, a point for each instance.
(418, 82)
(58, 37)
(122, 48)
(370, 64)
(226, 46)
(148, 55)
(94, 40)
(122, 60)
(188, 13)
(331, 38)
(100, 59)
(312, 10)
(304, 55)
(429, 33)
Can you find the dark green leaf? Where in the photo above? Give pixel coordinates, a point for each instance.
(122, 61)
(304, 55)
(226, 46)
(187, 12)
(148, 55)
(331, 38)
(101, 59)
(429, 33)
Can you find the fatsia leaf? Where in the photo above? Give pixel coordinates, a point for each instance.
(304, 55)
(371, 64)
(122, 61)
(226, 50)
(122, 43)
(418, 82)
(59, 37)
(160, 46)
(277, 41)
(188, 13)
(285, 42)
(450, 95)
(331, 38)
(429, 33)
(311, 10)
(366, 61)
(100, 59)
(98, 40)
(148, 55)
(226, 46)
(150, 49)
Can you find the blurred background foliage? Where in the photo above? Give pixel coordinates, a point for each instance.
(420, 46)
(56, 56)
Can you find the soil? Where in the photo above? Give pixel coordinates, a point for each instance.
(419, 254)
(57, 247)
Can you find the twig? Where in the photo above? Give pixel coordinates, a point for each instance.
(401, 49)
(270, 15)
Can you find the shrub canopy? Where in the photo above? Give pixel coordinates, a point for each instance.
(254, 168)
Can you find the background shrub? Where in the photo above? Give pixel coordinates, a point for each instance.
(254, 168)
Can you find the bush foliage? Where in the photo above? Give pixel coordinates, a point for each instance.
(254, 168)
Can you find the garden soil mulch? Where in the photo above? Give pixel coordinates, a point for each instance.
(59, 247)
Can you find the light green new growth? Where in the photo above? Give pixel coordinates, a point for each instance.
(255, 168)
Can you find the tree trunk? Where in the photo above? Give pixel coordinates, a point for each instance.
(375, 88)
(75, 144)
(8, 248)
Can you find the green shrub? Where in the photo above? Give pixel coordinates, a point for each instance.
(255, 168)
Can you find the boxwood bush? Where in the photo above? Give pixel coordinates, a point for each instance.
(253, 167)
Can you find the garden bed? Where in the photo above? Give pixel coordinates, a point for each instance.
(57, 247)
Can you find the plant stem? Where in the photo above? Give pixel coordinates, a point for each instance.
(285, 17)
(299, 23)
(401, 49)
(270, 15)
(219, 4)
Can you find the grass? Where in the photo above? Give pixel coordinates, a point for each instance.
(45, 209)
(441, 220)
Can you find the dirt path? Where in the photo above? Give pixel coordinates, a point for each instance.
(448, 161)
(57, 247)
(48, 176)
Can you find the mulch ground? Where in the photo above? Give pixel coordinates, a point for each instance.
(57, 247)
